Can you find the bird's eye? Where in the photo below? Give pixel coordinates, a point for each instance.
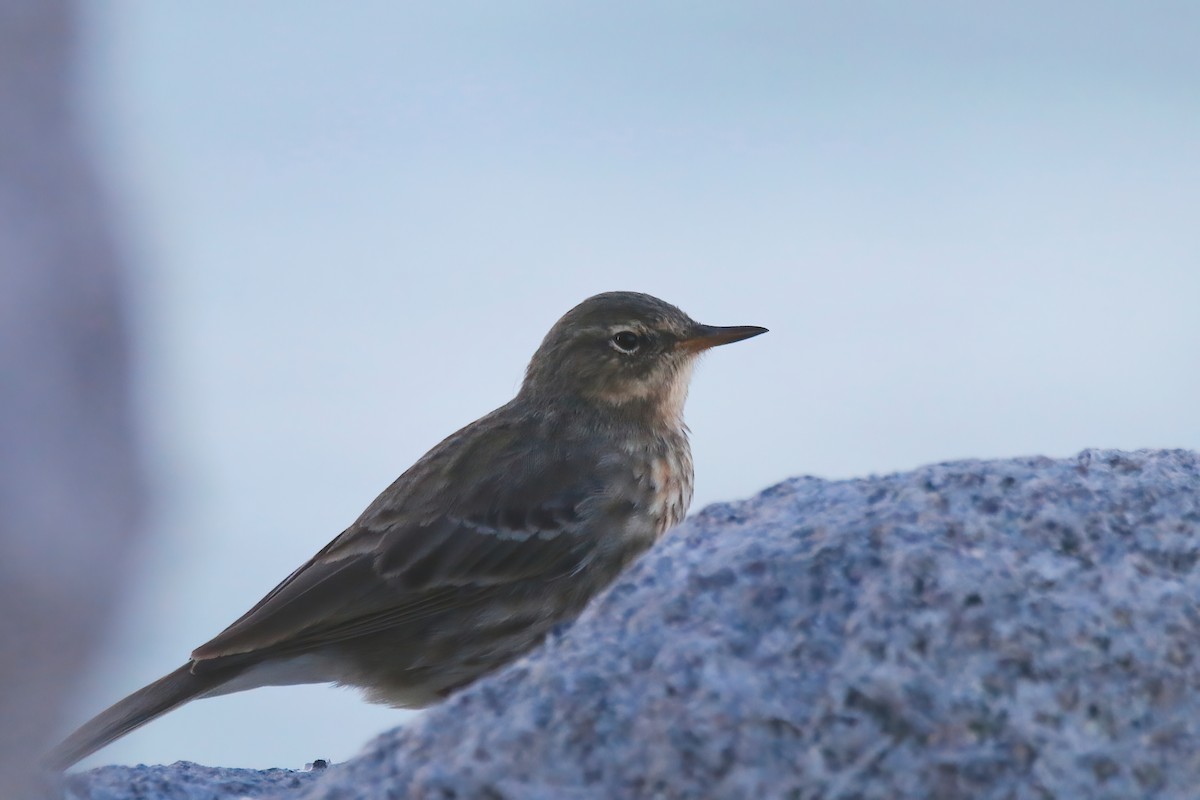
(626, 341)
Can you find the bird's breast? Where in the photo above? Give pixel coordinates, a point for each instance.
(672, 487)
(665, 479)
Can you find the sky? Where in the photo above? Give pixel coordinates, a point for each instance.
(971, 228)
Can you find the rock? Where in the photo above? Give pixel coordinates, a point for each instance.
(183, 781)
(70, 481)
(1024, 628)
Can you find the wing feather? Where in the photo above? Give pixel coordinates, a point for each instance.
(423, 549)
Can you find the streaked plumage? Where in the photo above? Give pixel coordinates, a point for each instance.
(501, 531)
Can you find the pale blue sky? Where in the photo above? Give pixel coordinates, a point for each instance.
(972, 229)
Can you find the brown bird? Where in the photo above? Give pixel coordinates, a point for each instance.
(506, 528)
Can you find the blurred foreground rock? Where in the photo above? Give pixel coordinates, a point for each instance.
(1009, 629)
(70, 495)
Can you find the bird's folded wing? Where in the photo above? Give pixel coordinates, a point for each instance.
(396, 566)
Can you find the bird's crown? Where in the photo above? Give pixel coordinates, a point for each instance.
(624, 350)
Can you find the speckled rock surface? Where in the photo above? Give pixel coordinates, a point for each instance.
(183, 781)
(1024, 628)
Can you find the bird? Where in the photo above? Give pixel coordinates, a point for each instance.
(500, 533)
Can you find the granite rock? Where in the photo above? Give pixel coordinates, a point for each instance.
(183, 781)
(1025, 628)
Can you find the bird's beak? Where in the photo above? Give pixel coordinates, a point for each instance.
(703, 337)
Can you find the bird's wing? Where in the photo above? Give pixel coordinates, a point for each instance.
(475, 514)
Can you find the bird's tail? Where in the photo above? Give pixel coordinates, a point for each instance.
(144, 705)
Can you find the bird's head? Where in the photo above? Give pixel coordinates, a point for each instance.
(624, 350)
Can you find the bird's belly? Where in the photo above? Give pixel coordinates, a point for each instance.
(286, 671)
(453, 656)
